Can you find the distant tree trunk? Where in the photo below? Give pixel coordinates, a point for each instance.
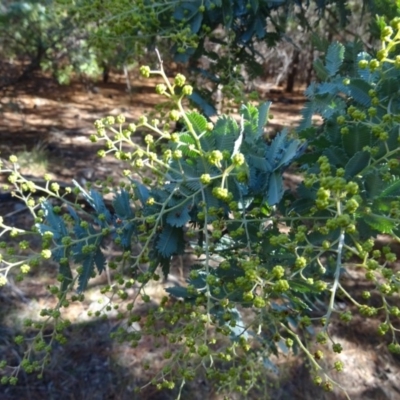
(310, 67)
(35, 62)
(106, 71)
(293, 71)
(127, 79)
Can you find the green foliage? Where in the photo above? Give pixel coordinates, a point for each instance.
(265, 257)
(223, 33)
(41, 36)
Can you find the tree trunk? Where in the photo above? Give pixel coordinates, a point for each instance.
(293, 72)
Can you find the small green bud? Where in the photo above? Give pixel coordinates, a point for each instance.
(145, 71)
(161, 88)
(238, 159)
(387, 31)
(187, 90)
(203, 350)
(46, 254)
(363, 64)
(337, 348)
(205, 179)
(278, 271)
(259, 302)
(174, 115)
(179, 80)
(341, 119)
(282, 285)
(374, 65)
(120, 119)
(339, 366)
(319, 355)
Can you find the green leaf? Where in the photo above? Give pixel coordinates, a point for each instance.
(141, 191)
(186, 146)
(336, 156)
(258, 162)
(302, 206)
(179, 216)
(355, 141)
(198, 122)
(380, 223)
(353, 49)
(387, 87)
(328, 105)
(263, 111)
(301, 286)
(65, 271)
(201, 100)
(250, 115)
(99, 206)
(179, 292)
(373, 185)
(275, 188)
(392, 189)
(357, 163)
(320, 70)
(334, 58)
(225, 133)
(170, 241)
(319, 42)
(307, 113)
(195, 22)
(122, 206)
(88, 261)
(366, 73)
(359, 91)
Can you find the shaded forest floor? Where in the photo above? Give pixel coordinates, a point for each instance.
(48, 127)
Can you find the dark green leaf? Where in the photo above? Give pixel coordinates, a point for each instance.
(334, 58)
(357, 163)
(359, 91)
(336, 156)
(359, 137)
(373, 185)
(263, 111)
(121, 204)
(320, 70)
(391, 189)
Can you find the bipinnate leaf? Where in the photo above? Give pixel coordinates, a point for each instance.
(170, 241)
(380, 223)
(100, 207)
(373, 185)
(205, 105)
(391, 189)
(359, 89)
(251, 121)
(141, 191)
(179, 292)
(263, 111)
(275, 188)
(199, 123)
(334, 58)
(357, 139)
(122, 206)
(179, 216)
(59, 230)
(226, 131)
(336, 156)
(320, 69)
(357, 163)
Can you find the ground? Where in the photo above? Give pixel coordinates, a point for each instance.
(48, 126)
